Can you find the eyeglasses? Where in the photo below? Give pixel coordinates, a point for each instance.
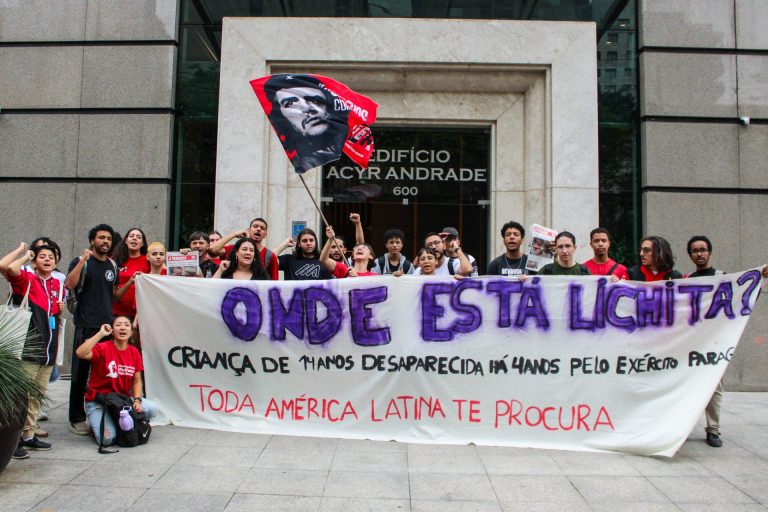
(699, 251)
(434, 243)
(646, 249)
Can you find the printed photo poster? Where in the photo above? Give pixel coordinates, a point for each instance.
(316, 118)
(179, 264)
(539, 253)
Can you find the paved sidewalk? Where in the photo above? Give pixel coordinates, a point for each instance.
(202, 470)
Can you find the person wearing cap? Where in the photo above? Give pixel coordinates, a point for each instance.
(453, 248)
(458, 265)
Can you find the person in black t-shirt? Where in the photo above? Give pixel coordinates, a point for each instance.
(93, 277)
(700, 250)
(304, 263)
(513, 261)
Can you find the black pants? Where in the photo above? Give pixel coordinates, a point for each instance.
(80, 371)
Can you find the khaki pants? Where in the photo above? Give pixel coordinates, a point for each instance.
(40, 374)
(712, 412)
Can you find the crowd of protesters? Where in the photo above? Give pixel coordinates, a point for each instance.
(107, 340)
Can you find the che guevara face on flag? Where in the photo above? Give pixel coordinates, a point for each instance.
(316, 118)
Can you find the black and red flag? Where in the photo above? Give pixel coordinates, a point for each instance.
(316, 118)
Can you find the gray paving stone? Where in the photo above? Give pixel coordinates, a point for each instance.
(74, 498)
(617, 489)
(454, 506)
(506, 462)
(22, 497)
(362, 484)
(205, 455)
(131, 474)
(721, 507)
(179, 435)
(288, 482)
(302, 443)
(69, 446)
(294, 459)
(233, 439)
(535, 488)
(155, 450)
(189, 478)
(737, 465)
(254, 502)
(428, 458)
(593, 464)
(172, 501)
(680, 465)
(696, 447)
(451, 487)
(43, 471)
(699, 489)
(545, 506)
(755, 486)
(634, 507)
(366, 445)
(213, 471)
(331, 504)
(370, 461)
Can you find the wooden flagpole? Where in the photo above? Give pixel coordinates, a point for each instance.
(325, 221)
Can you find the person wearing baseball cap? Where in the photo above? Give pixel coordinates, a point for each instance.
(453, 250)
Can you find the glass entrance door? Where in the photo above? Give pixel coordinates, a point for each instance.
(419, 180)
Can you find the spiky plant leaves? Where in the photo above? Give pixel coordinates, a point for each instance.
(16, 385)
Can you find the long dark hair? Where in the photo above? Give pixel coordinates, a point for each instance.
(256, 268)
(48, 244)
(301, 148)
(297, 251)
(121, 253)
(661, 253)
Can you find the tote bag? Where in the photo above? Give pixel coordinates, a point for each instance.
(14, 321)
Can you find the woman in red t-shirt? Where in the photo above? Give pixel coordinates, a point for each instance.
(131, 259)
(116, 366)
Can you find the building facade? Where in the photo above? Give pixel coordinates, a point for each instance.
(109, 111)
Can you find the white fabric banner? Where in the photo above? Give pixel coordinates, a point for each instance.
(573, 363)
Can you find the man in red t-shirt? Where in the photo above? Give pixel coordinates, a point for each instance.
(601, 264)
(257, 231)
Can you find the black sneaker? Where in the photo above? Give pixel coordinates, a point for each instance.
(714, 440)
(20, 453)
(35, 444)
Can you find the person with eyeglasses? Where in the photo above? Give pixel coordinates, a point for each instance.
(700, 250)
(447, 266)
(656, 261)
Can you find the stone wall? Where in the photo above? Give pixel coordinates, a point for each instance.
(703, 66)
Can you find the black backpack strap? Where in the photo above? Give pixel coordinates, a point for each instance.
(406, 265)
(380, 262)
(614, 267)
(104, 412)
(450, 265)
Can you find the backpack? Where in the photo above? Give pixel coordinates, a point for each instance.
(381, 261)
(74, 297)
(113, 403)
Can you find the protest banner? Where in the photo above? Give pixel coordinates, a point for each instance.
(552, 362)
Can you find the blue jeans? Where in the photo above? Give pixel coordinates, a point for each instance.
(94, 411)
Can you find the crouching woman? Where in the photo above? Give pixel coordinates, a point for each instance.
(116, 366)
